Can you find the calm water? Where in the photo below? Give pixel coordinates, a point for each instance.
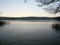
(29, 33)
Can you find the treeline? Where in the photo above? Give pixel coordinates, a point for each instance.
(27, 18)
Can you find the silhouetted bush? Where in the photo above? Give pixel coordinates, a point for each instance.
(56, 26)
(2, 23)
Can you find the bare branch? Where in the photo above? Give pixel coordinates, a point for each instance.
(53, 6)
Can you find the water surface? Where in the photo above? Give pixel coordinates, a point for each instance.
(29, 33)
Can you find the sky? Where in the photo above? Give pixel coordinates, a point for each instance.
(17, 8)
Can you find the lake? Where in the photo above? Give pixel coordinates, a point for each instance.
(33, 32)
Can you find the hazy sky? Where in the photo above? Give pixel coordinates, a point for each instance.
(17, 8)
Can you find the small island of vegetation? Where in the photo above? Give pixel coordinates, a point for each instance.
(2, 23)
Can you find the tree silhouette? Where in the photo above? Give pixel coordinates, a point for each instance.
(25, 1)
(53, 6)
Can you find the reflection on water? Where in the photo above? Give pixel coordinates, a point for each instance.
(29, 33)
(2, 23)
